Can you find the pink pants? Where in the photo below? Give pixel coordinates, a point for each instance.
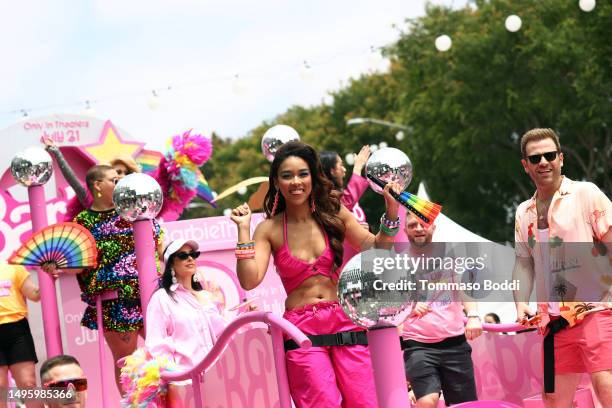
(331, 376)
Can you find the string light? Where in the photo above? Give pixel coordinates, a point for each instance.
(443, 43)
(513, 23)
(350, 159)
(374, 58)
(88, 111)
(587, 5)
(306, 72)
(239, 87)
(154, 103)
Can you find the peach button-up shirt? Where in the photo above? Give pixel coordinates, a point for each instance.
(579, 213)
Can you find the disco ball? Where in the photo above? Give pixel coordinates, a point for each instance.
(363, 297)
(32, 167)
(389, 164)
(275, 137)
(138, 196)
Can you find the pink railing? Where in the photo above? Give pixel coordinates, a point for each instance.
(276, 325)
(502, 327)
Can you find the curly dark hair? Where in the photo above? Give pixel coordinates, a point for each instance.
(166, 279)
(327, 202)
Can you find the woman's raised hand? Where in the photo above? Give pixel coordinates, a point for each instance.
(241, 215)
(48, 142)
(361, 159)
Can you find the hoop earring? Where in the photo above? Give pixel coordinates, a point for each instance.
(174, 281)
(275, 205)
(313, 207)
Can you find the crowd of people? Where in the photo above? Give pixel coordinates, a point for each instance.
(307, 232)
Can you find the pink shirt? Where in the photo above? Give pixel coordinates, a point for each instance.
(445, 320)
(355, 188)
(182, 328)
(446, 316)
(579, 212)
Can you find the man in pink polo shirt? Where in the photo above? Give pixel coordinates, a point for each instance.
(437, 356)
(561, 214)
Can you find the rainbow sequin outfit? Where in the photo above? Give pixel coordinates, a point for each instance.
(116, 270)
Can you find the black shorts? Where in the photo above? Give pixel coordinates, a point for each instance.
(16, 343)
(445, 366)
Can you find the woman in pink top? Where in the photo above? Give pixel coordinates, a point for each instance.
(304, 231)
(334, 170)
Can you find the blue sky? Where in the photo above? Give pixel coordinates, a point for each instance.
(57, 54)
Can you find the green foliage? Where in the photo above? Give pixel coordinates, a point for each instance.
(466, 108)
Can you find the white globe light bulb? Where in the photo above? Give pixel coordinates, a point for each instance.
(587, 5)
(513, 23)
(443, 43)
(350, 159)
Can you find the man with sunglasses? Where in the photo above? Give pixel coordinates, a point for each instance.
(549, 226)
(64, 372)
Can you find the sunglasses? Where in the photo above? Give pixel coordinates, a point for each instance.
(77, 384)
(536, 158)
(184, 255)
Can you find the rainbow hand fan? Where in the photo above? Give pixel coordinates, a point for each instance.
(426, 211)
(68, 244)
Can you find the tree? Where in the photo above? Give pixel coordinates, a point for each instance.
(468, 107)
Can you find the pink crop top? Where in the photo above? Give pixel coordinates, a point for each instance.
(294, 271)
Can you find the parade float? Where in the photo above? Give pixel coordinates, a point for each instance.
(246, 367)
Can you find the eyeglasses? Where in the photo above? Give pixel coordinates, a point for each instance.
(184, 255)
(77, 384)
(536, 158)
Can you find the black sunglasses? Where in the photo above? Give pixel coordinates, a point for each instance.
(78, 384)
(184, 255)
(536, 158)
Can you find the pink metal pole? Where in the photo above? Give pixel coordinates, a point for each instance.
(197, 393)
(278, 350)
(101, 349)
(145, 262)
(388, 367)
(46, 283)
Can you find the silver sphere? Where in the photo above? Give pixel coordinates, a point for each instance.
(275, 137)
(138, 197)
(363, 300)
(32, 167)
(389, 164)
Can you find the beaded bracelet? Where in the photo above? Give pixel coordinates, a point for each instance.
(388, 223)
(245, 250)
(250, 254)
